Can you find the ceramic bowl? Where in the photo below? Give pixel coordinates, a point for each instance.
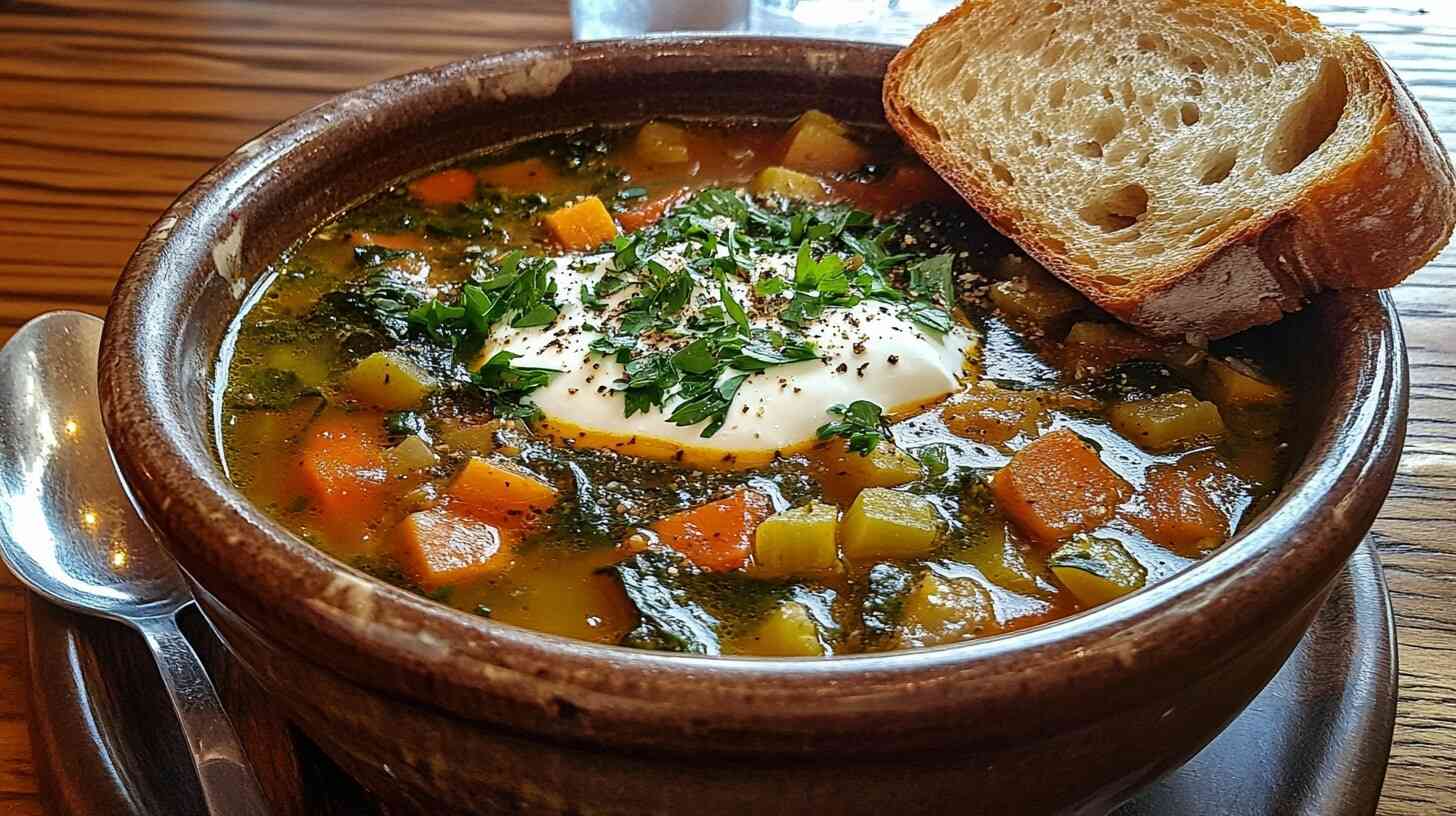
(439, 711)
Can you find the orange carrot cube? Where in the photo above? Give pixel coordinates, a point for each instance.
(524, 176)
(438, 547)
(583, 225)
(499, 494)
(716, 536)
(1056, 486)
(445, 187)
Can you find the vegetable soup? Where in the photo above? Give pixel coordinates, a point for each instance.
(758, 388)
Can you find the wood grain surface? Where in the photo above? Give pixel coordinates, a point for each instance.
(108, 109)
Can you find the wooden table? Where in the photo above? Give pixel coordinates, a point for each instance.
(109, 109)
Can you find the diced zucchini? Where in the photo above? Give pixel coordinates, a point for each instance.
(845, 473)
(819, 143)
(797, 541)
(661, 143)
(1096, 570)
(1004, 563)
(1233, 385)
(791, 184)
(787, 631)
(944, 610)
(994, 416)
(1167, 421)
(885, 523)
(409, 456)
(389, 381)
(1037, 297)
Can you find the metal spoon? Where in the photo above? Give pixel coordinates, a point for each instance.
(68, 531)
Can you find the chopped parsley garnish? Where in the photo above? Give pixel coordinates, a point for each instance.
(861, 423)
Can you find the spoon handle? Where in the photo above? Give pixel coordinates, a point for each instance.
(228, 784)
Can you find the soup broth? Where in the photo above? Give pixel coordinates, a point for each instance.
(764, 388)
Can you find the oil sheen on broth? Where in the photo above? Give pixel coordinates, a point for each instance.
(760, 388)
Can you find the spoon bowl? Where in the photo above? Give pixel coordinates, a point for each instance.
(67, 527)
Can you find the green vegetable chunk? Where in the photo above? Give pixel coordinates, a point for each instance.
(1096, 570)
(798, 541)
(884, 523)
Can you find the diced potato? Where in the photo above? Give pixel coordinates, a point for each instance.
(1232, 385)
(583, 225)
(819, 143)
(389, 381)
(1093, 345)
(1003, 563)
(994, 416)
(798, 541)
(438, 547)
(844, 473)
(305, 362)
(944, 610)
(411, 455)
(1096, 570)
(661, 143)
(524, 176)
(499, 493)
(787, 631)
(1179, 508)
(790, 184)
(1037, 297)
(1056, 486)
(884, 523)
(1167, 421)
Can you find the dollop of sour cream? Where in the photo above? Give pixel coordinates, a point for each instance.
(869, 351)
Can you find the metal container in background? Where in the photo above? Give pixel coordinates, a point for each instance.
(889, 21)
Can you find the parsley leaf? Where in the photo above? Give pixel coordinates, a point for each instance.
(861, 423)
(507, 385)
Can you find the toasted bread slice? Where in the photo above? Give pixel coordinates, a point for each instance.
(1192, 166)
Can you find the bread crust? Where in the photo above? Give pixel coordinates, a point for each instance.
(1368, 222)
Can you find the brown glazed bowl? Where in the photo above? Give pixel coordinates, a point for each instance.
(438, 711)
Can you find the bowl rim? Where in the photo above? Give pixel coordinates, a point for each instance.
(1321, 514)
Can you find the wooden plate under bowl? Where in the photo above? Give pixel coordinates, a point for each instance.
(1315, 741)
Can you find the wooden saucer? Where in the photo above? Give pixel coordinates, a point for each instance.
(1316, 740)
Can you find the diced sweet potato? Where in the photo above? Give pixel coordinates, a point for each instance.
(1180, 509)
(443, 188)
(524, 176)
(438, 547)
(1056, 486)
(791, 184)
(819, 143)
(993, 416)
(716, 536)
(583, 225)
(343, 472)
(661, 143)
(1167, 421)
(499, 494)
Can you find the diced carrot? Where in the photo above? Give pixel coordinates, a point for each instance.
(343, 472)
(439, 547)
(524, 176)
(445, 187)
(388, 240)
(583, 225)
(499, 494)
(1056, 486)
(1179, 509)
(716, 536)
(648, 213)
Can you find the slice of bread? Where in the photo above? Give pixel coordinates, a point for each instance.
(1195, 167)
